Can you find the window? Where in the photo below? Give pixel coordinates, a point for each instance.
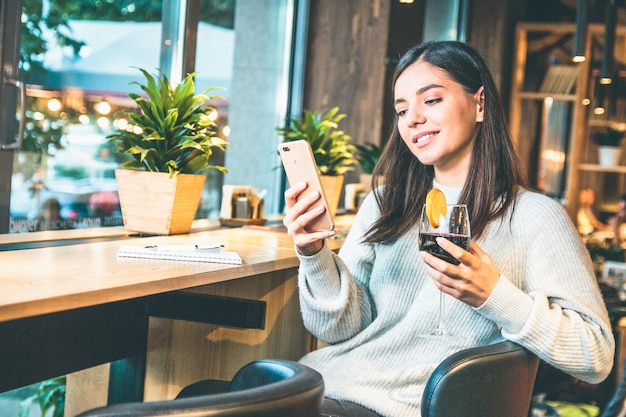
(78, 60)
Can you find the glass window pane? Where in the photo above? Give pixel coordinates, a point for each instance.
(214, 67)
(79, 59)
(258, 94)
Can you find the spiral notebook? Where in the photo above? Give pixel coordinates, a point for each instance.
(194, 253)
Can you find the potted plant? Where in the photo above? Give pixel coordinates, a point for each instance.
(609, 141)
(367, 155)
(170, 141)
(333, 152)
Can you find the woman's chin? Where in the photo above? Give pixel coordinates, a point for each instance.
(426, 159)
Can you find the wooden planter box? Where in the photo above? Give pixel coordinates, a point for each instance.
(154, 203)
(332, 185)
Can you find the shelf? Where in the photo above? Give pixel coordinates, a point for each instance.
(602, 123)
(556, 117)
(534, 95)
(602, 168)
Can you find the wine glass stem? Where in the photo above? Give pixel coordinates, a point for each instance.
(441, 329)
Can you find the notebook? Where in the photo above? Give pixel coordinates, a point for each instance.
(194, 253)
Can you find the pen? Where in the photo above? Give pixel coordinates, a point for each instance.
(185, 248)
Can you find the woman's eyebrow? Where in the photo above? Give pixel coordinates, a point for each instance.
(419, 92)
(428, 87)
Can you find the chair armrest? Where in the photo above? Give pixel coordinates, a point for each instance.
(486, 381)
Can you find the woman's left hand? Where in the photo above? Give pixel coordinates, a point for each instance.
(472, 281)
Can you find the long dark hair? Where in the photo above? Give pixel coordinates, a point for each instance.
(496, 175)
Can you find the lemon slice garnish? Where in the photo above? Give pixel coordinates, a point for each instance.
(435, 206)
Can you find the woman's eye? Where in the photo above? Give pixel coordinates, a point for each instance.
(401, 113)
(432, 101)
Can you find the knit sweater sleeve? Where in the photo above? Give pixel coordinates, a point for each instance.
(335, 302)
(549, 301)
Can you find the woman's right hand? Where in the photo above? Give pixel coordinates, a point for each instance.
(298, 215)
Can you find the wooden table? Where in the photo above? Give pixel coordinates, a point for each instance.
(161, 324)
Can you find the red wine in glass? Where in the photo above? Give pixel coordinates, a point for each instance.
(427, 242)
(453, 225)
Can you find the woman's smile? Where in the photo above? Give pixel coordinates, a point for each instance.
(424, 138)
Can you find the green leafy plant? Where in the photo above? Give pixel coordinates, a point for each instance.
(334, 154)
(50, 395)
(172, 132)
(367, 155)
(611, 136)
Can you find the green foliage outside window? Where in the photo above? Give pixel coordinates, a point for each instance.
(60, 12)
(217, 12)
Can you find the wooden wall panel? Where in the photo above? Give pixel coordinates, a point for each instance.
(347, 45)
(492, 32)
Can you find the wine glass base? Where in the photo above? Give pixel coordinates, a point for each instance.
(438, 336)
(441, 333)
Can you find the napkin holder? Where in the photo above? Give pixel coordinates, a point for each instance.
(241, 205)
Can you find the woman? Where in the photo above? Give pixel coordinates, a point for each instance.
(527, 276)
(586, 217)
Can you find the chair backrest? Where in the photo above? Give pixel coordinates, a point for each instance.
(486, 381)
(264, 388)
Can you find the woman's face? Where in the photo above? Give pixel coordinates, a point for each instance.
(437, 119)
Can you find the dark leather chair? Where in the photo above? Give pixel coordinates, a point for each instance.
(486, 381)
(264, 388)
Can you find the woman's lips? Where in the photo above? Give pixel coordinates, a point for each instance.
(422, 138)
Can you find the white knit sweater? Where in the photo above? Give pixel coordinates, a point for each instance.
(372, 302)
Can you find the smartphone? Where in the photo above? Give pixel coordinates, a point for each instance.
(300, 166)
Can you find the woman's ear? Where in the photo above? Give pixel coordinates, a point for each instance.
(480, 104)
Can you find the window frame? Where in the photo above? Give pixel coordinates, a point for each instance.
(10, 29)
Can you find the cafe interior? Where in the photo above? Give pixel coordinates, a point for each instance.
(84, 325)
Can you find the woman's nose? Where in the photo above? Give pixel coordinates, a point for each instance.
(415, 117)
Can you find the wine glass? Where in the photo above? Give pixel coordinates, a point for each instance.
(455, 227)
